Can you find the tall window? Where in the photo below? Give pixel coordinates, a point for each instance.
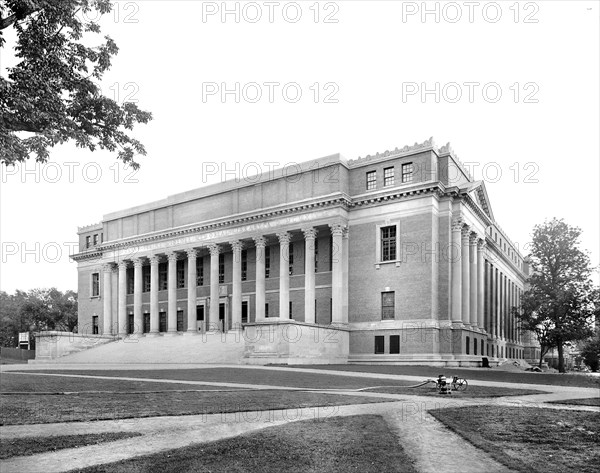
(267, 261)
(388, 177)
(244, 312)
(221, 268)
(371, 180)
(467, 345)
(130, 324)
(266, 309)
(407, 172)
(291, 258)
(290, 309)
(146, 278)
(162, 276)
(146, 323)
(379, 344)
(95, 284)
(162, 321)
(475, 346)
(244, 265)
(95, 329)
(95, 239)
(88, 241)
(180, 320)
(394, 344)
(388, 305)
(180, 274)
(130, 281)
(316, 255)
(388, 243)
(200, 271)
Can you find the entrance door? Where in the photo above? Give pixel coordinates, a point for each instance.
(200, 318)
(222, 324)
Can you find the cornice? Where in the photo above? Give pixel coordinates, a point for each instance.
(407, 150)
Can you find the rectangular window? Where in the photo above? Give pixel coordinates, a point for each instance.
(474, 346)
(180, 274)
(244, 312)
(162, 321)
(95, 284)
(467, 345)
(200, 271)
(101, 238)
(130, 324)
(379, 344)
(388, 305)
(146, 278)
(267, 261)
(266, 309)
(482, 346)
(371, 180)
(291, 258)
(388, 243)
(200, 317)
(290, 309)
(88, 242)
(316, 255)
(146, 323)
(95, 329)
(407, 172)
(388, 177)
(162, 276)
(394, 344)
(221, 268)
(180, 320)
(95, 239)
(130, 281)
(244, 265)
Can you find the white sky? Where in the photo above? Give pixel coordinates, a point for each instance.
(368, 54)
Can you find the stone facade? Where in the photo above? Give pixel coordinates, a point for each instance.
(392, 258)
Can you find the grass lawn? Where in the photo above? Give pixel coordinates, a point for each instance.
(530, 439)
(483, 374)
(591, 401)
(41, 408)
(341, 444)
(471, 392)
(32, 445)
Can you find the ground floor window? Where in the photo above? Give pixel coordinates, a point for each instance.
(95, 329)
(266, 309)
(379, 344)
(244, 312)
(200, 316)
(394, 344)
(162, 321)
(180, 320)
(467, 345)
(482, 346)
(146, 323)
(474, 346)
(130, 324)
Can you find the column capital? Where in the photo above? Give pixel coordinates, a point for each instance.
(154, 259)
(108, 267)
(337, 229)
(345, 232)
(236, 245)
(481, 245)
(457, 223)
(260, 241)
(473, 238)
(137, 262)
(310, 233)
(466, 234)
(123, 265)
(284, 238)
(191, 253)
(172, 257)
(214, 249)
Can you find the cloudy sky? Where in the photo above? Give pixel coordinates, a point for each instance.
(513, 86)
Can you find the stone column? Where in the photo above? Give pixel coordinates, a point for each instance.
(284, 275)
(154, 261)
(473, 280)
(260, 243)
(122, 313)
(172, 293)
(337, 282)
(466, 277)
(309, 275)
(236, 299)
(213, 319)
(480, 284)
(455, 255)
(107, 299)
(138, 287)
(192, 254)
(345, 244)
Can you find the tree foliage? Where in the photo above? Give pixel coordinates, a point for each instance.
(35, 310)
(50, 97)
(559, 304)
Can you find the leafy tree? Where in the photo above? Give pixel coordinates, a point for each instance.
(49, 96)
(560, 303)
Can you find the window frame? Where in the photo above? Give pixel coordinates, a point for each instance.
(389, 180)
(387, 306)
(221, 268)
(395, 344)
(381, 339)
(407, 176)
(378, 249)
(371, 180)
(95, 285)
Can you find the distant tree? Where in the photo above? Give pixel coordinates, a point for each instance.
(49, 97)
(590, 351)
(560, 303)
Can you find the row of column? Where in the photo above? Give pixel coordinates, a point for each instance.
(338, 284)
(467, 276)
(502, 296)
